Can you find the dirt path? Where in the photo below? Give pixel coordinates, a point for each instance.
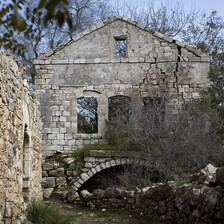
(85, 215)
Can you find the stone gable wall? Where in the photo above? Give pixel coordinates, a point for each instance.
(87, 67)
(20, 142)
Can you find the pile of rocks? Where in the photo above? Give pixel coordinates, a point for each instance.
(57, 181)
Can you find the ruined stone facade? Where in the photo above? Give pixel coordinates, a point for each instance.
(20, 142)
(147, 63)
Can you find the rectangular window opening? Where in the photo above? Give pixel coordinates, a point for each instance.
(87, 108)
(121, 48)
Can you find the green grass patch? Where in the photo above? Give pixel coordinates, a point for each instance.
(80, 154)
(78, 157)
(182, 182)
(39, 213)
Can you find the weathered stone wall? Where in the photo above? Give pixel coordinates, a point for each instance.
(87, 67)
(20, 142)
(200, 201)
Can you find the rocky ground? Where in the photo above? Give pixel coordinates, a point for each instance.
(85, 215)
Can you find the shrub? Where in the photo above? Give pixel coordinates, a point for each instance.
(182, 182)
(39, 213)
(175, 145)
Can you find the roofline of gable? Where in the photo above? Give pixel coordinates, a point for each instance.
(190, 48)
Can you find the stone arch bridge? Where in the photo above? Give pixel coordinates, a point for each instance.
(99, 160)
(56, 179)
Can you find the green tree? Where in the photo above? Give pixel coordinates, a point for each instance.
(15, 20)
(208, 36)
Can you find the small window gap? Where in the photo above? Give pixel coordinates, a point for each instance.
(121, 47)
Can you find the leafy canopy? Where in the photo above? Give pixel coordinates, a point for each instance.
(13, 18)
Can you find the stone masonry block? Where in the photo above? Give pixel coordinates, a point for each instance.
(103, 166)
(84, 176)
(77, 185)
(90, 159)
(48, 182)
(108, 164)
(88, 165)
(60, 181)
(113, 163)
(90, 174)
(98, 168)
(80, 181)
(93, 170)
(47, 166)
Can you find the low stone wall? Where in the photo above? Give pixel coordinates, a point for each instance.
(20, 140)
(200, 201)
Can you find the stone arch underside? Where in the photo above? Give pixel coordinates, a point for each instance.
(85, 176)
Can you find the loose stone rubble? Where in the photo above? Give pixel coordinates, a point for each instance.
(87, 66)
(20, 141)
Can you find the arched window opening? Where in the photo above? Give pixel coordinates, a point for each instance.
(87, 108)
(26, 164)
(119, 109)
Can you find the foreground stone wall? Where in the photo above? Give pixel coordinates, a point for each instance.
(20, 142)
(88, 67)
(200, 201)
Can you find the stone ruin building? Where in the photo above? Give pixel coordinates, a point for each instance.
(20, 141)
(115, 58)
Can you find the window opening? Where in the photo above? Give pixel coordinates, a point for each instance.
(119, 108)
(87, 108)
(26, 164)
(121, 48)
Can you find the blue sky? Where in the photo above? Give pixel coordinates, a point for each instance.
(206, 5)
